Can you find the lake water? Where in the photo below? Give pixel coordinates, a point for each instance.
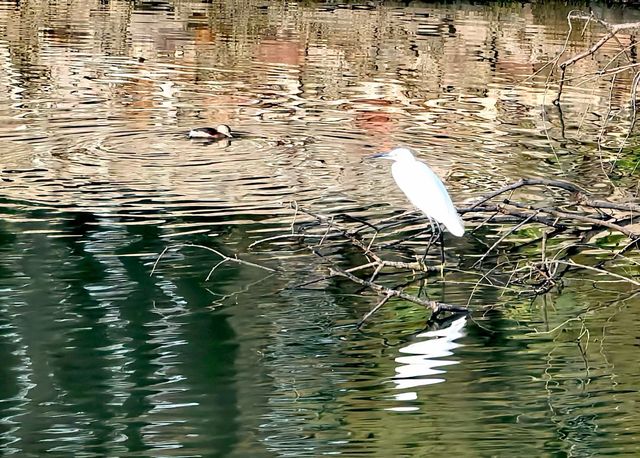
(103, 358)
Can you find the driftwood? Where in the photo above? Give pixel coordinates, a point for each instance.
(380, 244)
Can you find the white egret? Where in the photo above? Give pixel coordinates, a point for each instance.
(424, 189)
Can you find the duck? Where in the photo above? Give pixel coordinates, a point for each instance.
(211, 133)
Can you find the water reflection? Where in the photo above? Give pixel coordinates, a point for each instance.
(427, 357)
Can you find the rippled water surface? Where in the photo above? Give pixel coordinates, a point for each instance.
(109, 350)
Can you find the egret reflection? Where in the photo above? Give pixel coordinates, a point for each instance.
(424, 363)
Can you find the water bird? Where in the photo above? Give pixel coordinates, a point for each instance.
(424, 189)
(211, 133)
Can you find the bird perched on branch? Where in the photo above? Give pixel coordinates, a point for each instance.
(424, 189)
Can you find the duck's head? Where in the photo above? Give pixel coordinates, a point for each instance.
(224, 130)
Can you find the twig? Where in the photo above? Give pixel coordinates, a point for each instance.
(285, 236)
(529, 182)
(629, 207)
(504, 236)
(577, 217)
(555, 60)
(224, 257)
(228, 258)
(595, 269)
(373, 310)
(612, 30)
(214, 268)
(601, 134)
(518, 215)
(294, 204)
(310, 282)
(326, 232)
(155, 264)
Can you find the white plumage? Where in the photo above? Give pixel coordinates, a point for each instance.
(424, 189)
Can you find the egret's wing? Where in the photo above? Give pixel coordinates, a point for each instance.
(425, 190)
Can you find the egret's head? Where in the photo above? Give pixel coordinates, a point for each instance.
(396, 154)
(224, 130)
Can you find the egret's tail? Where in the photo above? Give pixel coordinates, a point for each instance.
(455, 226)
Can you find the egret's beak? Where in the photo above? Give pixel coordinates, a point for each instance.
(378, 156)
(229, 135)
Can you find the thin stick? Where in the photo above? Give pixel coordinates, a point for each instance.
(373, 310)
(310, 282)
(595, 269)
(286, 236)
(601, 134)
(324, 236)
(611, 205)
(555, 60)
(155, 264)
(529, 182)
(214, 268)
(504, 236)
(376, 272)
(295, 214)
(228, 258)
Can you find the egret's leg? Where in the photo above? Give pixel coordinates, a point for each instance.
(433, 238)
(423, 283)
(441, 237)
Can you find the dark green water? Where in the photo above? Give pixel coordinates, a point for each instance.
(100, 357)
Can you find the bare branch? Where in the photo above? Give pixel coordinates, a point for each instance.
(436, 307)
(224, 257)
(529, 182)
(373, 310)
(504, 236)
(611, 32)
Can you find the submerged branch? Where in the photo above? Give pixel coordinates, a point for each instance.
(224, 259)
